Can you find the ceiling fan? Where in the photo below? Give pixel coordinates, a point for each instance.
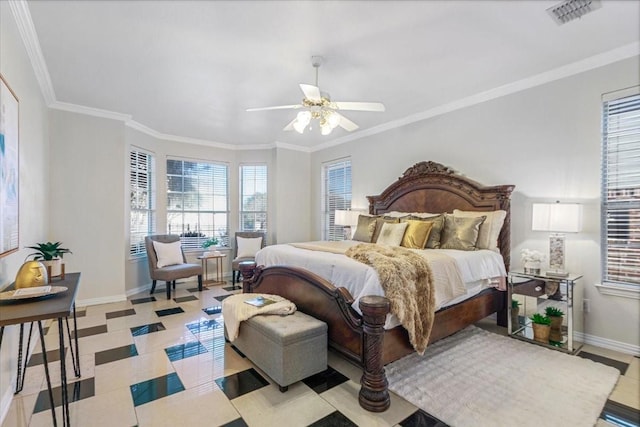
(318, 105)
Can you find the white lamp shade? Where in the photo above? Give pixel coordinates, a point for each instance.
(557, 217)
(346, 218)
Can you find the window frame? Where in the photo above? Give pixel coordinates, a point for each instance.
(221, 232)
(264, 181)
(137, 248)
(620, 126)
(330, 231)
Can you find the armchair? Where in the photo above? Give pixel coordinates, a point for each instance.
(246, 253)
(169, 273)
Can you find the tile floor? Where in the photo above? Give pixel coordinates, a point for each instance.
(155, 362)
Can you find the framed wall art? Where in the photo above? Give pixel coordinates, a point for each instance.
(9, 169)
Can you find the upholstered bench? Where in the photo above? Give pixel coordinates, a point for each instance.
(287, 348)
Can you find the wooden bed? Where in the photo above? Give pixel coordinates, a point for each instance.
(424, 187)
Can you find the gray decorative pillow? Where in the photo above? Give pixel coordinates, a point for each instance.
(365, 229)
(461, 233)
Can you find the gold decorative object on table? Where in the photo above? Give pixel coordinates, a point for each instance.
(31, 274)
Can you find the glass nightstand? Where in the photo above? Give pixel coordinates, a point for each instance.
(534, 293)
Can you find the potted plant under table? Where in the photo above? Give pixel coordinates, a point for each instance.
(50, 254)
(555, 315)
(541, 328)
(515, 311)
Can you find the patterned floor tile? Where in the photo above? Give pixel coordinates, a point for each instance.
(183, 351)
(120, 313)
(213, 310)
(222, 297)
(325, 380)
(169, 311)
(86, 332)
(620, 415)
(241, 383)
(185, 299)
(143, 300)
(621, 366)
(155, 388)
(52, 356)
(421, 419)
(76, 391)
(147, 329)
(334, 419)
(114, 354)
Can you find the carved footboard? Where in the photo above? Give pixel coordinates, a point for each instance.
(359, 338)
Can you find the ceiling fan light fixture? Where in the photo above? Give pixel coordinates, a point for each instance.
(325, 129)
(333, 120)
(304, 117)
(299, 126)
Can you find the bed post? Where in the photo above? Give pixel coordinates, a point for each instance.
(374, 393)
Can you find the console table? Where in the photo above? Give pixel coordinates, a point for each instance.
(60, 307)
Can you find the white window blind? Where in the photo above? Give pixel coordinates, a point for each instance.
(197, 202)
(253, 198)
(336, 194)
(621, 189)
(142, 200)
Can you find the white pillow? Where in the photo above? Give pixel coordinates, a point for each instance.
(168, 253)
(392, 234)
(248, 246)
(489, 229)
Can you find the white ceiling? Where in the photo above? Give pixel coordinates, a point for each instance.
(191, 68)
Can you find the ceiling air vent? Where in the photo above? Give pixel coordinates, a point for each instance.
(572, 9)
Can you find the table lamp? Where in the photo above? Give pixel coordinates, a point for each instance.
(558, 218)
(347, 219)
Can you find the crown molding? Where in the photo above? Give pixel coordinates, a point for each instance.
(88, 111)
(22, 17)
(627, 51)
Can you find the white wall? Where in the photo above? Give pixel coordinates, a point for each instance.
(545, 141)
(292, 198)
(34, 170)
(87, 210)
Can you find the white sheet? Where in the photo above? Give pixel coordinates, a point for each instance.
(473, 267)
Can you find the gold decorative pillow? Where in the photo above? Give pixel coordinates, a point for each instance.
(391, 234)
(379, 222)
(365, 228)
(460, 233)
(416, 234)
(433, 241)
(490, 228)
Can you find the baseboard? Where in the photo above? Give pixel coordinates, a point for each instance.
(101, 300)
(621, 347)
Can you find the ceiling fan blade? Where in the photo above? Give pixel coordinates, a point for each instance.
(290, 125)
(345, 123)
(360, 106)
(312, 93)
(277, 107)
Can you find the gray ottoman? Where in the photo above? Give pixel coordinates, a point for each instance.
(287, 348)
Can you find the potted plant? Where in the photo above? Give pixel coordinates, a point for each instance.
(211, 241)
(541, 327)
(515, 311)
(50, 254)
(556, 316)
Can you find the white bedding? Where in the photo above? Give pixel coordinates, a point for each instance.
(474, 272)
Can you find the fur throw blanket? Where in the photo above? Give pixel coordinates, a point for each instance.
(235, 310)
(407, 282)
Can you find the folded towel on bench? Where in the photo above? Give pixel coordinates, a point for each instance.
(235, 310)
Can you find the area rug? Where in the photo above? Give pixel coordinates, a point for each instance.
(478, 378)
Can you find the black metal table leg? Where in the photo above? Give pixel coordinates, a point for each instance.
(46, 373)
(63, 376)
(22, 361)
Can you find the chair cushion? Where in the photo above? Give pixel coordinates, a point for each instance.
(177, 271)
(168, 253)
(235, 263)
(247, 247)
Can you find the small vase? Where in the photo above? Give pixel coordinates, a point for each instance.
(532, 267)
(515, 321)
(555, 333)
(541, 333)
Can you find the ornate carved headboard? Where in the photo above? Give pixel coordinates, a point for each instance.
(432, 187)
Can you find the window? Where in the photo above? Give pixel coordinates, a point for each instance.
(142, 200)
(253, 198)
(336, 194)
(197, 202)
(621, 188)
